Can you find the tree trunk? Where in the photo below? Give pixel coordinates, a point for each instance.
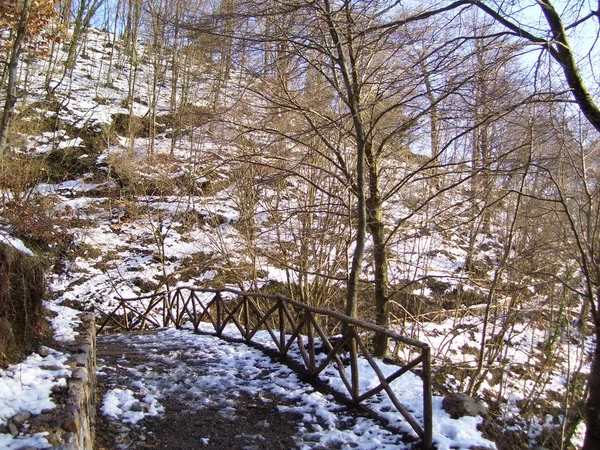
(592, 419)
(66, 11)
(226, 53)
(175, 62)
(359, 249)
(380, 258)
(11, 89)
(361, 228)
(562, 52)
(349, 76)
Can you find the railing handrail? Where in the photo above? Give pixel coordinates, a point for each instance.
(314, 309)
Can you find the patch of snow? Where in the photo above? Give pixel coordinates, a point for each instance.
(64, 323)
(27, 386)
(37, 440)
(117, 403)
(232, 367)
(15, 243)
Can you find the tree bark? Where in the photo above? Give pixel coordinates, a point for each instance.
(563, 54)
(226, 9)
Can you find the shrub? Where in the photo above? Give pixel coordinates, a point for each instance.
(20, 173)
(41, 226)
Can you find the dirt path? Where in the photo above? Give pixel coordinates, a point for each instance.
(211, 419)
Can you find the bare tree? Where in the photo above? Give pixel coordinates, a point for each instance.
(581, 215)
(26, 22)
(13, 63)
(372, 100)
(85, 11)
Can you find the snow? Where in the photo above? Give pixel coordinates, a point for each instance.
(64, 323)
(36, 440)
(27, 386)
(118, 403)
(448, 433)
(15, 243)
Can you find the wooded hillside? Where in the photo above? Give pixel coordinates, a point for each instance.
(433, 169)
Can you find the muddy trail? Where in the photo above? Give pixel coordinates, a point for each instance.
(212, 419)
(176, 390)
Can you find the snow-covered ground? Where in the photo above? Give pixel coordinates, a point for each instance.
(225, 367)
(27, 387)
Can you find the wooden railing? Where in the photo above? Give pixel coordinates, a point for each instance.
(287, 322)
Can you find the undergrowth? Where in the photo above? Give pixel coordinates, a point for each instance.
(22, 288)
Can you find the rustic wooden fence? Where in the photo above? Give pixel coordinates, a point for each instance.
(288, 322)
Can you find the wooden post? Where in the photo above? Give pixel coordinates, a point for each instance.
(178, 309)
(246, 318)
(281, 326)
(195, 320)
(354, 365)
(311, 344)
(427, 400)
(125, 318)
(168, 311)
(218, 301)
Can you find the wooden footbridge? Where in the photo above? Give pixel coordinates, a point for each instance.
(290, 324)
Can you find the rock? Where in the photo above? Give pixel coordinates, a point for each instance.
(87, 317)
(20, 417)
(46, 416)
(71, 424)
(81, 359)
(43, 351)
(4, 429)
(80, 373)
(56, 389)
(55, 439)
(123, 430)
(70, 438)
(459, 405)
(52, 368)
(140, 407)
(12, 429)
(76, 390)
